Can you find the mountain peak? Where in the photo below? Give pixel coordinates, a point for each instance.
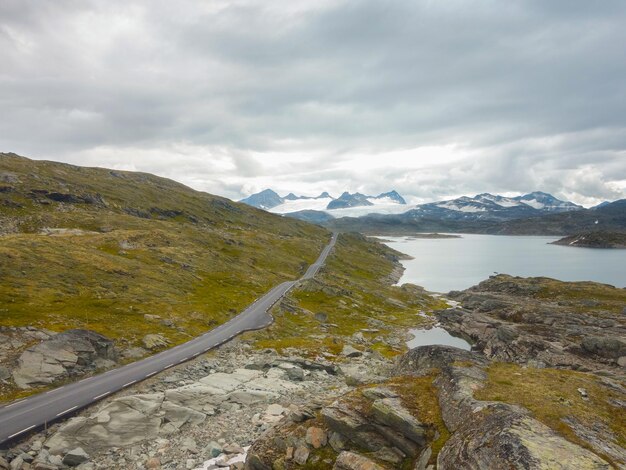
(349, 200)
(265, 199)
(393, 195)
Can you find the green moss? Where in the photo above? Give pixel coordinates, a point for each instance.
(552, 395)
(419, 395)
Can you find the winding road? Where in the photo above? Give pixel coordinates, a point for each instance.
(37, 411)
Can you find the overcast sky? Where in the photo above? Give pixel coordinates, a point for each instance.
(431, 98)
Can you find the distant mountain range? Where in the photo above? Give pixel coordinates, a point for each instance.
(609, 217)
(480, 207)
(270, 200)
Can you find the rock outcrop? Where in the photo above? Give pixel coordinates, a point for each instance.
(492, 435)
(542, 323)
(71, 353)
(378, 427)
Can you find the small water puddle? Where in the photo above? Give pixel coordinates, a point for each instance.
(436, 335)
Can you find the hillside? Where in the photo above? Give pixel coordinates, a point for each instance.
(594, 240)
(610, 217)
(107, 250)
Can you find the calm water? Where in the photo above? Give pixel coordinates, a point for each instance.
(442, 265)
(436, 335)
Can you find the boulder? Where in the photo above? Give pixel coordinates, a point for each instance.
(350, 351)
(605, 346)
(321, 317)
(353, 461)
(154, 341)
(295, 373)
(125, 421)
(75, 457)
(301, 455)
(392, 413)
(66, 354)
(316, 437)
(343, 419)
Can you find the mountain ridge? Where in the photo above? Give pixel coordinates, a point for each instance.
(480, 206)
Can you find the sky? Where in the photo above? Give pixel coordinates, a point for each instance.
(434, 99)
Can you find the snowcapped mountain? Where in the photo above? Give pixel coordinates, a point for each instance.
(271, 201)
(547, 202)
(494, 207)
(266, 199)
(483, 206)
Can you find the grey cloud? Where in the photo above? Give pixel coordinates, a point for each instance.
(533, 90)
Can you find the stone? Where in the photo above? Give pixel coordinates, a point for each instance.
(154, 341)
(132, 419)
(422, 461)
(133, 353)
(353, 426)
(301, 455)
(4, 465)
(392, 413)
(213, 449)
(316, 437)
(374, 393)
(75, 457)
(295, 374)
(301, 414)
(353, 461)
(321, 317)
(605, 346)
(622, 361)
(391, 455)
(232, 449)
(153, 463)
(188, 444)
(66, 354)
(37, 465)
(17, 463)
(275, 410)
(350, 351)
(337, 442)
(5, 373)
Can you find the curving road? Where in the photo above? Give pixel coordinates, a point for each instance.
(35, 412)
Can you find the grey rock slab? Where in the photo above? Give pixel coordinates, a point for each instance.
(75, 457)
(353, 461)
(392, 413)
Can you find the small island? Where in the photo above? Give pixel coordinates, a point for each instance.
(432, 236)
(594, 240)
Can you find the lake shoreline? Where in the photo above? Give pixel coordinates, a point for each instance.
(449, 264)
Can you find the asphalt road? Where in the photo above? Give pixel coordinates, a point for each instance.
(35, 412)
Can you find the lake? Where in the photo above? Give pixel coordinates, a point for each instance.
(435, 335)
(445, 264)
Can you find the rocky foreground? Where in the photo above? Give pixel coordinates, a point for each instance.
(543, 388)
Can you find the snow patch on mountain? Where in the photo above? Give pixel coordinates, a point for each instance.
(450, 205)
(296, 205)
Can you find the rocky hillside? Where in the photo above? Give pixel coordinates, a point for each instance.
(325, 389)
(144, 261)
(543, 388)
(594, 240)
